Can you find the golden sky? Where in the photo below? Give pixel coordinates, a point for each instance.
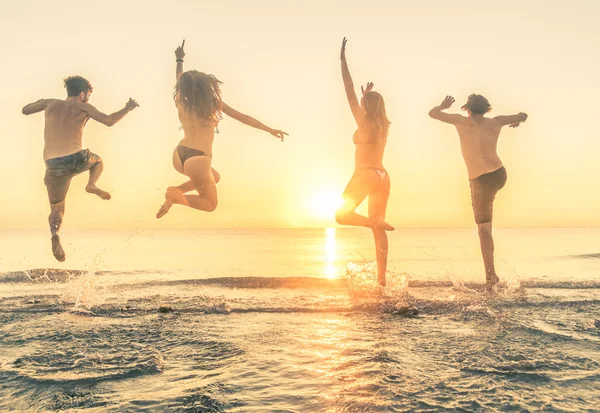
(279, 61)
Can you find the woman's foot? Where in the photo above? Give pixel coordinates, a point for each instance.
(93, 189)
(57, 249)
(172, 196)
(379, 223)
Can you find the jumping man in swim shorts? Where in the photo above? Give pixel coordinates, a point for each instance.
(478, 140)
(63, 151)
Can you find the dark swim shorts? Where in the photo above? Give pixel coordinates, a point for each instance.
(483, 192)
(60, 171)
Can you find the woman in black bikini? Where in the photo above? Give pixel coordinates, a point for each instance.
(199, 105)
(370, 177)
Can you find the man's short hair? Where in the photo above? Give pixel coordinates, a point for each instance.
(477, 105)
(77, 84)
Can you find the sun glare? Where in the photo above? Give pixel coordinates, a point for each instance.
(324, 204)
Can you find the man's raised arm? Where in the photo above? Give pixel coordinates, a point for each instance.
(35, 107)
(439, 114)
(110, 120)
(512, 120)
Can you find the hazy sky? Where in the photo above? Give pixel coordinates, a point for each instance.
(279, 61)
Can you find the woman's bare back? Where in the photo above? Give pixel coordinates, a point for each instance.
(199, 133)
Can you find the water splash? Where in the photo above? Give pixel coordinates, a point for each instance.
(458, 284)
(83, 293)
(393, 298)
(362, 279)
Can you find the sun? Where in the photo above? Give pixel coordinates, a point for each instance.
(324, 204)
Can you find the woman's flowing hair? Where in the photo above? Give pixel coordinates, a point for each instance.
(377, 120)
(200, 93)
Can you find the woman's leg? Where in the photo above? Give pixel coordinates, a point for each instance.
(189, 185)
(202, 179)
(199, 171)
(361, 183)
(377, 208)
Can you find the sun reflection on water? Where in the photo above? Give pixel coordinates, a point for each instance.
(330, 253)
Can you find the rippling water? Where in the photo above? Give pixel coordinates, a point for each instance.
(292, 320)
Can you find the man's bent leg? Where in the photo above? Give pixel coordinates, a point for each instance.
(95, 172)
(57, 212)
(487, 251)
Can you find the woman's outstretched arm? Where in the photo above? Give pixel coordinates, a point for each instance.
(179, 55)
(250, 121)
(357, 112)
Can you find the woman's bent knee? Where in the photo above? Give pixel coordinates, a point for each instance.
(213, 205)
(340, 216)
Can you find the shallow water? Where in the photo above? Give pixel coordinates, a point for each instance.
(278, 320)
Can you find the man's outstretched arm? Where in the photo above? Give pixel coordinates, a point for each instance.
(35, 107)
(512, 120)
(110, 120)
(439, 114)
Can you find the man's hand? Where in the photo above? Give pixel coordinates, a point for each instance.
(131, 104)
(368, 88)
(446, 103)
(515, 125)
(343, 52)
(278, 134)
(179, 53)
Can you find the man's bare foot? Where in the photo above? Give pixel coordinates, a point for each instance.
(172, 196)
(381, 224)
(491, 283)
(381, 280)
(93, 189)
(57, 249)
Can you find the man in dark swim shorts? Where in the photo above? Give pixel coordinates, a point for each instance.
(60, 171)
(479, 140)
(483, 193)
(63, 152)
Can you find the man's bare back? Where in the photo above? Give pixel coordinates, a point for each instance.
(478, 143)
(63, 131)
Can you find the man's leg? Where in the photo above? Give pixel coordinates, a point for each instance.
(487, 251)
(95, 172)
(55, 219)
(57, 185)
(482, 199)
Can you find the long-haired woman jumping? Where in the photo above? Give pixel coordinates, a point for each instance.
(200, 107)
(370, 177)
